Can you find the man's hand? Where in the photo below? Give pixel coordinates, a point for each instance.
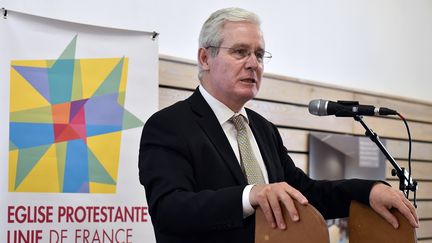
(382, 198)
(271, 197)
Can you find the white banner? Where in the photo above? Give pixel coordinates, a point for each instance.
(74, 99)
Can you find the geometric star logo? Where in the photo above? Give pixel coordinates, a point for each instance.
(66, 120)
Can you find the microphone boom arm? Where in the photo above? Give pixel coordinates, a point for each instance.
(406, 183)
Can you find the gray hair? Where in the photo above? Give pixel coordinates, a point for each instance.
(210, 34)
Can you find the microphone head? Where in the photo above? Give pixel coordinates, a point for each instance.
(318, 107)
(342, 108)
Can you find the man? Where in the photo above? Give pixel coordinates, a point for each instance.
(198, 178)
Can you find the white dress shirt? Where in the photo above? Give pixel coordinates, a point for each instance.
(223, 114)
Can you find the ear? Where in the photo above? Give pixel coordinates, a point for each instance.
(203, 58)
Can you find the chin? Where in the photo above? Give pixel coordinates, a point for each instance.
(249, 94)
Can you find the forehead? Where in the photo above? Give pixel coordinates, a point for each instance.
(242, 33)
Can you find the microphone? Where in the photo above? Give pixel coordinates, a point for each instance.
(340, 108)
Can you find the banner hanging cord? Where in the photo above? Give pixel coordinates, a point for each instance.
(154, 35)
(5, 12)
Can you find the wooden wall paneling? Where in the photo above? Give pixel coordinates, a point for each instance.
(178, 74)
(420, 170)
(419, 151)
(297, 93)
(424, 209)
(424, 189)
(299, 117)
(295, 140)
(425, 229)
(396, 129)
(420, 111)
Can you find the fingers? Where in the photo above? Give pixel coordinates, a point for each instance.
(272, 198)
(408, 211)
(412, 210)
(387, 215)
(277, 211)
(268, 213)
(291, 208)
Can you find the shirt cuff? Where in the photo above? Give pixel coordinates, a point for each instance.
(247, 207)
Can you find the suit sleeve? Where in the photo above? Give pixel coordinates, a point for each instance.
(167, 170)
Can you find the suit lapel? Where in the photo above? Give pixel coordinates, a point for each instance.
(208, 122)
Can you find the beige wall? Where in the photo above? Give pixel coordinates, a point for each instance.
(284, 101)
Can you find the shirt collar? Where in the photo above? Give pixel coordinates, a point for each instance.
(222, 112)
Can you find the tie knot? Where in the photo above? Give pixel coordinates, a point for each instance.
(239, 122)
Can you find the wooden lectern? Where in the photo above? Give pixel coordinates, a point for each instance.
(365, 225)
(310, 229)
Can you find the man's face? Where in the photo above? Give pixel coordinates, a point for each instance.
(231, 79)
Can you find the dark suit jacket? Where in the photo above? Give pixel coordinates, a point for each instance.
(194, 183)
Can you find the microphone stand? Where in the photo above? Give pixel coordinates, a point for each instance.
(406, 183)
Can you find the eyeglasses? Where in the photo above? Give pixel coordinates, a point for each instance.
(241, 53)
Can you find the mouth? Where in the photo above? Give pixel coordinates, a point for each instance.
(248, 80)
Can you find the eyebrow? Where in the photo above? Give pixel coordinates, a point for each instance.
(241, 45)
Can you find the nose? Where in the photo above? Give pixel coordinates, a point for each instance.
(252, 61)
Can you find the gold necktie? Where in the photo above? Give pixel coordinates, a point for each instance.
(248, 161)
